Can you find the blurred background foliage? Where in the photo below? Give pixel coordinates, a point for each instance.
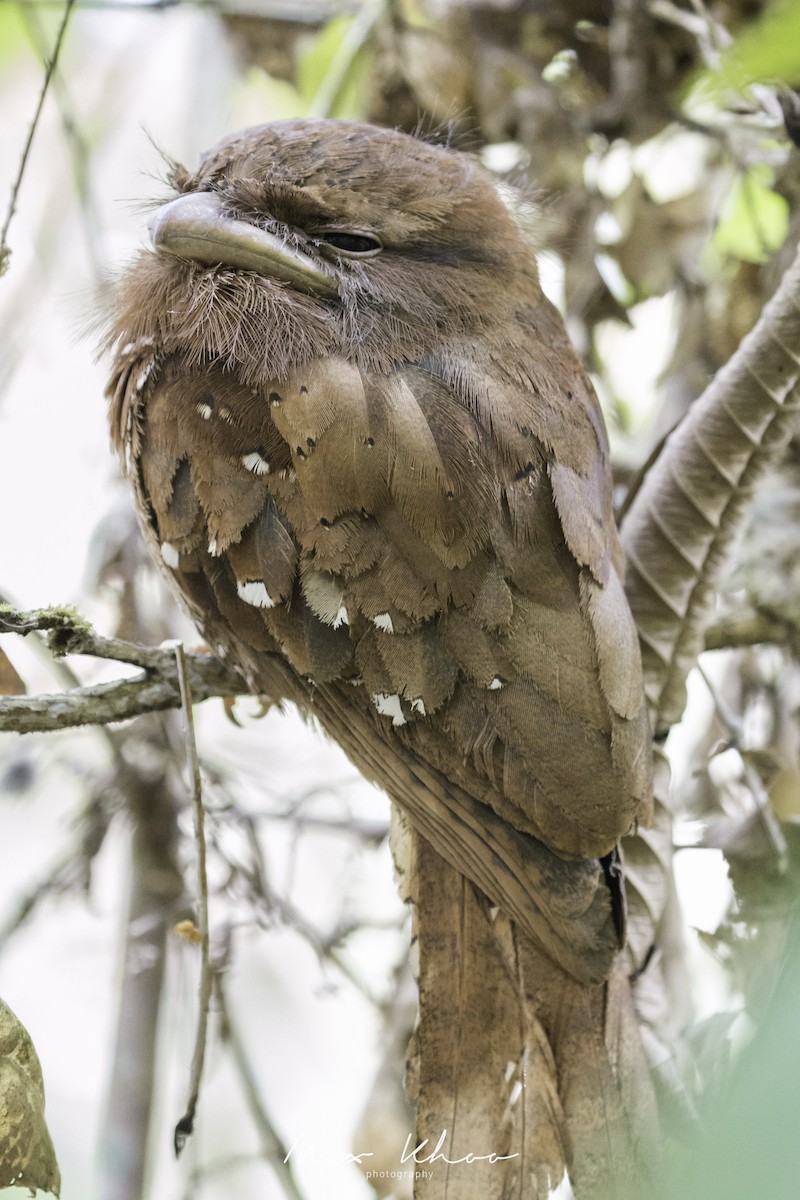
(648, 142)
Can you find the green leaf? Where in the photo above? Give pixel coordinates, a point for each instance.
(332, 71)
(765, 51)
(754, 220)
(13, 38)
(315, 63)
(258, 97)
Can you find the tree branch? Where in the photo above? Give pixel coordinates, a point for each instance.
(751, 627)
(154, 887)
(155, 688)
(274, 1149)
(185, 1125)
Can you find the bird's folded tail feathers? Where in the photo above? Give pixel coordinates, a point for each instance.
(531, 1074)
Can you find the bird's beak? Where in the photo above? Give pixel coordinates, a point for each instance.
(195, 226)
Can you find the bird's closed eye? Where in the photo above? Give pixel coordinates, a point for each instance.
(359, 245)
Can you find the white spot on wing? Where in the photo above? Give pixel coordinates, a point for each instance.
(389, 706)
(341, 618)
(496, 684)
(383, 621)
(203, 410)
(254, 592)
(255, 463)
(143, 377)
(137, 345)
(212, 548)
(516, 1092)
(564, 1190)
(418, 705)
(170, 555)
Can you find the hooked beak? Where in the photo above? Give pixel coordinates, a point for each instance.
(195, 226)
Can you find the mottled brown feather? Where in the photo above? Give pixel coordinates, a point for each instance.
(403, 492)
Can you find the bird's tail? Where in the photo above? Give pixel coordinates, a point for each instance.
(520, 1073)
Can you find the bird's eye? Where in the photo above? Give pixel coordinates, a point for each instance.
(357, 244)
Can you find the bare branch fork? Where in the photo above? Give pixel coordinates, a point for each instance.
(154, 689)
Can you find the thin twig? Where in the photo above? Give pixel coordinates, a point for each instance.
(274, 1149)
(12, 206)
(79, 152)
(374, 832)
(69, 633)
(185, 1125)
(58, 877)
(751, 627)
(769, 821)
(225, 1165)
(711, 38)
(323, 947)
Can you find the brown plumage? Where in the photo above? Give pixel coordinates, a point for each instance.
(375, 470)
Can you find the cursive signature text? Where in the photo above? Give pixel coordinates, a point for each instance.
(417, 1155)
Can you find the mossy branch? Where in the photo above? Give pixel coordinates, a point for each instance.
(156, 687)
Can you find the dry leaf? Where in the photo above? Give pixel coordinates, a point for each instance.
(784, 794)
(27, 1157)
(188, 931)
(11, 684)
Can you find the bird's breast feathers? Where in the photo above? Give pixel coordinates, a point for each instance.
(425, 532)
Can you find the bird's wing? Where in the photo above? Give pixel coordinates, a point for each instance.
(444, 594)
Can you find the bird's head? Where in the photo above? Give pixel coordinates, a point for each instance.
(306, 238)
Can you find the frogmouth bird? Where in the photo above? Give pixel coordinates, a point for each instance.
(377, 474)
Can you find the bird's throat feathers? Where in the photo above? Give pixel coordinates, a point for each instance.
(261, 327)
(254, 326)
